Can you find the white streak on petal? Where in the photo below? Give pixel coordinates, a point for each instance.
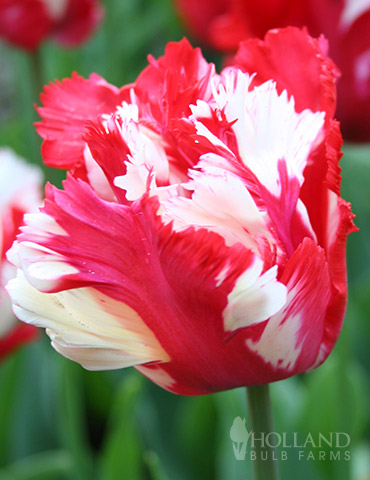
(134, 181)
(278, 343)
(50, 270)
(87, 326)
(221, 203)
(97, 178)
(43, 224)
(43, 267)
(221, 277)
(302, 211)
(128, 112)
(267, 128)
(158, 376)
(201, 109)
(333, 218)
(147, 161)
(254, 298)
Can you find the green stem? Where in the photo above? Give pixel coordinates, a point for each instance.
(261, 424)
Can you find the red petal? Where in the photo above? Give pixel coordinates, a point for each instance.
(297, 63)
(178, 79)
(68, 106)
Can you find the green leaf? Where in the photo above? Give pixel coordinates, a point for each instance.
(50, 465)
(122, 450)
(154, 466)
(196, 427)
(72, 420)
(9, 387)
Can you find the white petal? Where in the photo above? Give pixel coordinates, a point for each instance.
(42, 224)
(87, 326)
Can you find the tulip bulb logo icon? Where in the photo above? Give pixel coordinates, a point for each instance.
(239, 436)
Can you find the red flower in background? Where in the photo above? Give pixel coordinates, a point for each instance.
(20, 192)
(27, 23)
(346, 24)
(200, 235)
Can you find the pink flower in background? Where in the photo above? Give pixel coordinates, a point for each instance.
(20, 192)
(345, 23)
(27, 23)
(200, 234)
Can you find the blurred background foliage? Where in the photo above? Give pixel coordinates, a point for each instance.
(58, 421)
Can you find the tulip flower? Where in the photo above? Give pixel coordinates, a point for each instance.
(20, 186)
(345, 23)
(27, 23)
(200, 233)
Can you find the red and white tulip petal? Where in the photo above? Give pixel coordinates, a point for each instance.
(96, 177)
(109, 152)
(221, 203)
(281, 55)
(254, 298)
(273, 144)
(147, 158)
(68, 106)
(87, 326)
(158, 375)
(292, 338)
(179, 79)
(177, 282)
(45, 267)
(340, 227)
(267, 128)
